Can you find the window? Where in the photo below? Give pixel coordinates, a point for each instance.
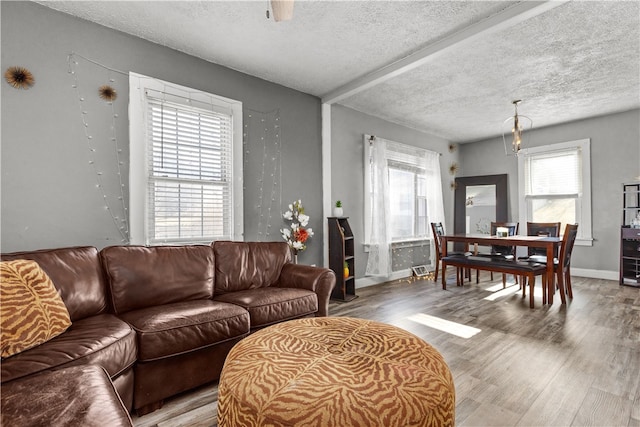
(408, 202)
(413, 187)
(555, 185)
(185, 165)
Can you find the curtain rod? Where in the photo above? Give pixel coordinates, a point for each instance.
(372, 138)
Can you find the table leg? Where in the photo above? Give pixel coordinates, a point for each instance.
(551, 286)
(444, 265)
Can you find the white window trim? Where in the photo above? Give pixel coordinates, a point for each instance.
(584, 230)
(138, 170)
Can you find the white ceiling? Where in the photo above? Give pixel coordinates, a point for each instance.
(450, 68)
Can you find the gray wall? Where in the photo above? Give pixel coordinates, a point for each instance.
(615, 159)
(347, 168)
(49, 196)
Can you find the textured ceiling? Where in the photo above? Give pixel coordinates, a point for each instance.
(577, 60)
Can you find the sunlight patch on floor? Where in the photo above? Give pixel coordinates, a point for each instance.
(499, 292)
(457, 329)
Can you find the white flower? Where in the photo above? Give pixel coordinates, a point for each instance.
(298, 245)
(304, 220)
(295, 226)
(291, 207)
(286, 233)
(288, 215)
(310, 231)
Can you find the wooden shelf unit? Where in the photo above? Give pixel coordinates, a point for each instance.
(630, 237)
(341, 252)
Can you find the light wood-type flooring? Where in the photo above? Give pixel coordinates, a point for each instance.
(560, 365)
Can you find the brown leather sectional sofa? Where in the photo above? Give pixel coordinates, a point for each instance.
(161, 320)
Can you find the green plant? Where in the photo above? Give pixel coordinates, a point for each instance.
(338, 204)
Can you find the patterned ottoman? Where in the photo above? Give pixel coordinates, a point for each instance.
(335, 371)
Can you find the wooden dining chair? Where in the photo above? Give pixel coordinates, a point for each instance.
(438, 231)
(561, 265)
(506, 252)
(548, 229)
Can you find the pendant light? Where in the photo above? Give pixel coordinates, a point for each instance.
(514, 131)
(282, 10)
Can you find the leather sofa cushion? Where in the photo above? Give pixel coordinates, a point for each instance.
(74, 396)
(101, 340)
(248, 265)
(76, 272)
(172, 329)
(141, 277)
(272, 305)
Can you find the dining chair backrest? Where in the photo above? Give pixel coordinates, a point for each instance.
(438, 230)
(568, 241)
(513, 230)
(548, 229)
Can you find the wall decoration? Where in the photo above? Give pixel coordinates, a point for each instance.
(107, 93)
(453, 185)
(453, 168)
(19, 77)
(100, 127)
(262, 150)
(453, 147)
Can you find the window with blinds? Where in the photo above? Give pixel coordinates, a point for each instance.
(555, 185)
(186, 164)
(190, 173)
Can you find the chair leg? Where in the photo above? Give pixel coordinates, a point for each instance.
(567, 280)
(504, 281)
(477, 276)
(544, 289)
(560, 275)
(435, 279)
(532, 285)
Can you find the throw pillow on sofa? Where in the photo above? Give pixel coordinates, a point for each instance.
(32, 312)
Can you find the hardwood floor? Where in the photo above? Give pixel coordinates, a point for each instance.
(561, 365)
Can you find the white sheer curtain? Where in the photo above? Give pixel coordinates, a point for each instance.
(435, 204)
(379, 261)
(423, 162)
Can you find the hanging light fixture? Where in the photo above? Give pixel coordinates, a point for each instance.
(282, 10)
(514, 130)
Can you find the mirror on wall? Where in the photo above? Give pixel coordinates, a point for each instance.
(478, 201)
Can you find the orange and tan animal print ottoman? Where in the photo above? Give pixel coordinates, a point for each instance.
(335, 371)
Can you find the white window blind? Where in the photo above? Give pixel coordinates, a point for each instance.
(190, 172)
(554, 173)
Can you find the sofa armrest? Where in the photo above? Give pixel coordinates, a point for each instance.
(316, 279)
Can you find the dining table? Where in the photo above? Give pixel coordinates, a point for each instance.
(550, 244)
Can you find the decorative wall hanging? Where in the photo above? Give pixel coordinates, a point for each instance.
(19, 77)
(100, 129)
(107, 93)
(453, 185)
(453, 147)
(453, 168)
(262, 150)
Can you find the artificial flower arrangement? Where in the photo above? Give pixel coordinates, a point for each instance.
(296, 237)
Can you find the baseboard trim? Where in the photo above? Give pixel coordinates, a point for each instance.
(595, 274)
(376, 280)
(401, 274)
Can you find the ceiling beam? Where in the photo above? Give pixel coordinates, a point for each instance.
(506, 18)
